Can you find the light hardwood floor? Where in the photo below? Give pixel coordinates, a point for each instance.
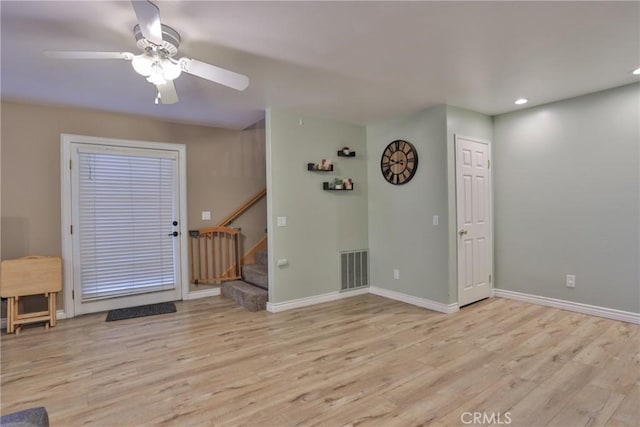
(365, 360)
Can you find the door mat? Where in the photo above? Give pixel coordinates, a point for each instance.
(141, 311)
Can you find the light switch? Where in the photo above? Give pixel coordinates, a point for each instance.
(206, 215)
(282, 262)
(282, 221)
(435, 220)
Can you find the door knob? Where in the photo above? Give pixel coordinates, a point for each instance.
(462, 232)
(174, 223)
(174, 234)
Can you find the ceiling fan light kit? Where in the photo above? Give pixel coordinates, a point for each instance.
(160, 44)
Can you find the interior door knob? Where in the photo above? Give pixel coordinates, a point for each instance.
(462, 232)
(174, 234)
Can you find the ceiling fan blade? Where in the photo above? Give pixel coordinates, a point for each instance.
(148, 16)
(69, 54)
(215, 74)
(168, 94)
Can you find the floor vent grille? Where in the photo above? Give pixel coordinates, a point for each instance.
(354, 269)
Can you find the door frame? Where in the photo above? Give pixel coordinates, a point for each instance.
(456, 228)
(66, 141)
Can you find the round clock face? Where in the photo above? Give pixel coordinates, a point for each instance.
(399, 162)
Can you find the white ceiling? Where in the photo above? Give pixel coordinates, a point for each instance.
(351, 61)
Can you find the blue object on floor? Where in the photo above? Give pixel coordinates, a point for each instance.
(32, 417)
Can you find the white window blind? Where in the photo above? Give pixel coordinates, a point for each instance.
(126, 210)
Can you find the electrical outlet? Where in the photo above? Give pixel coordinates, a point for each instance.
(396, 274)
(206, 215)
(435, 220)
(571, 281)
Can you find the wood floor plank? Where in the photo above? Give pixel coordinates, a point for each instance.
(627, 414)
(365, 360)
(591, 406)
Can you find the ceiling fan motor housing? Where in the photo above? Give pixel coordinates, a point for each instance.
(170, 40)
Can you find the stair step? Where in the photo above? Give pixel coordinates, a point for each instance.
(256, 274)
(250, 297)
(261, 257)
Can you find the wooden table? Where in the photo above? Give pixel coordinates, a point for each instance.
(32, 275)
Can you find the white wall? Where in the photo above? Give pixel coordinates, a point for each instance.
(320, 223)
(401, 234)
(567, 199)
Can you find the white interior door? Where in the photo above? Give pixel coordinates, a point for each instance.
(125, 208)
(473, 205)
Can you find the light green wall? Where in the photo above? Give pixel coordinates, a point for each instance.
(401, 232)
(320, 223)
(566, 200)
(464, 123)
(567, 190)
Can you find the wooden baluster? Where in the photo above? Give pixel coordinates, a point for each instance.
(192, 271)
(200, 276)
(206, 256)
(225, 256)
(221, 271)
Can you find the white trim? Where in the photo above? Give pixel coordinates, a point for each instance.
(60, 315)
(420, 302)
(317, 299)
(204, 293)
(593, 310)
(271, 270)
(66, 141)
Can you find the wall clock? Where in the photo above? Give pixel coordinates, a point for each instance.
(399, 162)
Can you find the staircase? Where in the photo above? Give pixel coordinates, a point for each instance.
(252, 291)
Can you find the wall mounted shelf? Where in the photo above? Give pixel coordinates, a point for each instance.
(311, 167)
(325, 186)
(351, 154)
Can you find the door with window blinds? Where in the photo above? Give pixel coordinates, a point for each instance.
(125, 237)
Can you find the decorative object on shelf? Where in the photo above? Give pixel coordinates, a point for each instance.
(325, 166)
(346, 152)
(399, 162)
(330, 186)
(347, 184)
(337, 183)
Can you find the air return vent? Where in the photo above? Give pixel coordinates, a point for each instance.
(354, 269)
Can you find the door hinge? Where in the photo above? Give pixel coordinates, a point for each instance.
(488, 164)
(489, 278)
(71, 229)
(73, 294)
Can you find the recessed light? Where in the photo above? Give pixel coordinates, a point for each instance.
(521, 101)
(636, 72)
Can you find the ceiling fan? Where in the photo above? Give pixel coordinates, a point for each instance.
(159, 44)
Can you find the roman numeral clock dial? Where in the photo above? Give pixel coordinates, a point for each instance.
(399, 162)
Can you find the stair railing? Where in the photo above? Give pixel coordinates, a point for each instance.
(215, 251)
(242, 209)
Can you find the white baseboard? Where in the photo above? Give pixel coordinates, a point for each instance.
(420, 302)
(593, 310)
(318, 299)
(204, 293)
(60, 314)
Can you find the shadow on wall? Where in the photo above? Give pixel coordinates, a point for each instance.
(15, 230)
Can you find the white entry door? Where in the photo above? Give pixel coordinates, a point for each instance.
(473, 198)
(125, 226)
